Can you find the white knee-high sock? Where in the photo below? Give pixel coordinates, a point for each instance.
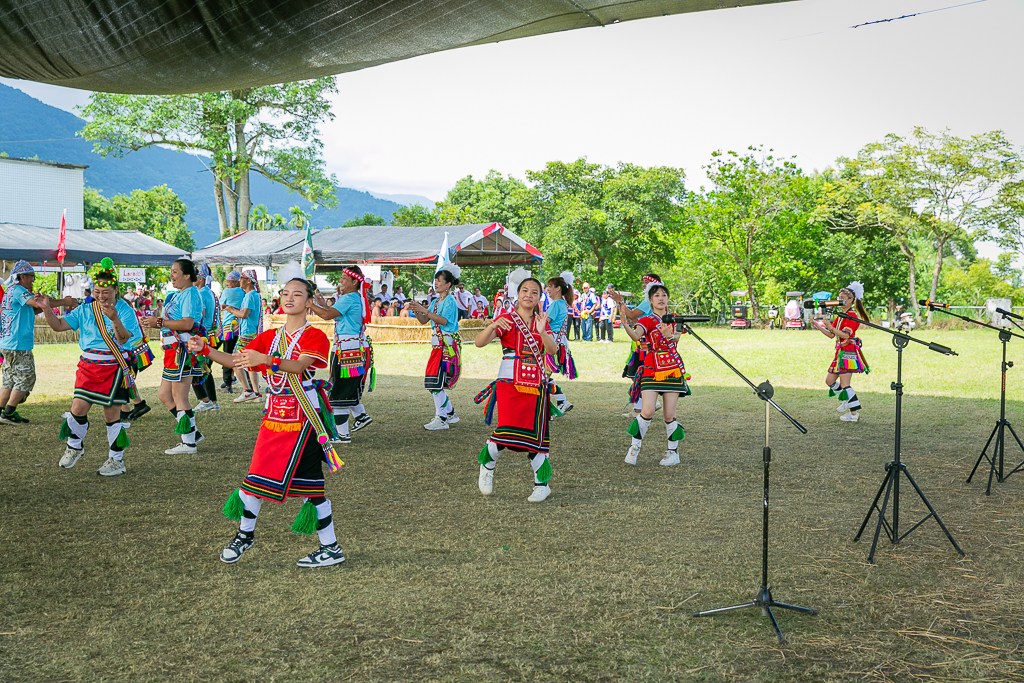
(852, 402)
(637, 405)
(114, 430)
(489, 455)
(341, 420)
(325, 524)
(358, 410)
(642, 424)
(442, 406)
(252, 506)
(541, 469)
(559, 397)
(675, 434)
(189, 438)
(78, 430)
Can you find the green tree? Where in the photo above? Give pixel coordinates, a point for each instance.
(755, 211)
(271, 130)
(156, 212)
(99, 211)
(298, 219)
(970, 286)
(409, 216)
(368, 218)
(260, 218)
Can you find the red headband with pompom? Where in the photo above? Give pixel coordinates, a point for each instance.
(364, 287)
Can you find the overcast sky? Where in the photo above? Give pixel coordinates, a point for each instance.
(668, 91)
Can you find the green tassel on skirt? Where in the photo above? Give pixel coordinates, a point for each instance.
(184, 425)
(122, 442)
(305, 522)
(678, 434)
(234, 507)
(544, 473)
(65, 431)
(485, 456)
(634, 428)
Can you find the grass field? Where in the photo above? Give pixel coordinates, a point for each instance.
(118, 580)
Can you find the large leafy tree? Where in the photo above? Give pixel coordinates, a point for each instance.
(156, 212)
(368, 218)
(271, 130)
(99, 211)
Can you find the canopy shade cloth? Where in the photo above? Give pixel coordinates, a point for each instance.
(124, 247)
(474, 245)
(160, 47)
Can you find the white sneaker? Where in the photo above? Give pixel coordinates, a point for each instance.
(181, 449)
(244, 397)
(452, 418)
(205, 406)
(631, 455)
(849, 417)
(342, 438)
(539, 493)
(435, 424)
(564, 407)
(671, 458)
(843, 407)
(111, 468)
(361, 421)
(70, 457)
(486, 481)
(326, 556)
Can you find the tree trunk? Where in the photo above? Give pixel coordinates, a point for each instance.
(940, 247)
(218, 198)
(242, 168)
(231, 199)
(752, 297)
(600, 266)
(911, 278)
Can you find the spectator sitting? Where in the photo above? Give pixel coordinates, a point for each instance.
(88, 296)
(375, 308)
(384, 296)
(399, 295)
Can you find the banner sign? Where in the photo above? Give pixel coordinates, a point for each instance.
(132, 275)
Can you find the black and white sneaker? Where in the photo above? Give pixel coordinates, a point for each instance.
(342, 438)
(239, 544)
(138, 411)
(361, 421)
(324, 557)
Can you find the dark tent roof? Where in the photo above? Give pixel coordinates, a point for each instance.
(469, 245)
(124, 247)
(152, 47)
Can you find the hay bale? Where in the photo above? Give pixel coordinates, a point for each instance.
(390, 330)
(44, 335)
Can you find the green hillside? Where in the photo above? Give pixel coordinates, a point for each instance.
(29, 128)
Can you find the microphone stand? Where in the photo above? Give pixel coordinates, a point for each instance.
(1002, 424)
(763, 599)
(893, 469)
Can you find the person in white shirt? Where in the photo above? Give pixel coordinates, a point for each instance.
(481, 302)
(399, 295)
(384, 294)
(607, 315)
(462, 301)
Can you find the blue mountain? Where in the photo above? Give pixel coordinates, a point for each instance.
(30, 128)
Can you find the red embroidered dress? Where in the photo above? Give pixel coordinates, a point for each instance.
(521, 394)
(661, 367)
(288, 457)
(849, 357)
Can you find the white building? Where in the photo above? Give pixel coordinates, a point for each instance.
(36, 192)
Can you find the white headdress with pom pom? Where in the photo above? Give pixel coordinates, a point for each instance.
(289, 272)
(451, 268)
(857, 289)
(567, 277)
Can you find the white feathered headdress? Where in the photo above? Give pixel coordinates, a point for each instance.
(515, 278)
(289, 272)
(451, 268)
(567, 277)
(857, 289)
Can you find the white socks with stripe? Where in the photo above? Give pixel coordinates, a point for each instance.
(442, 406)
(252, 506)
(341, 421)
(325, 524)
(643, 424)
(493, 451)
(852, 402)
(78, 430)
(670, 428)
(358, 410)
(114, 431)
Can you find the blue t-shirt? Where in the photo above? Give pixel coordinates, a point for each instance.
(556, 314)
(254, 303)
(231, 296)
(17, 320)
(89, 337)
(644, 306)
(350, 322)
(184, 304)
(209, 307)
(449, 310)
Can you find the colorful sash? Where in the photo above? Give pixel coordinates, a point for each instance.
(115, 348)
(528, 376)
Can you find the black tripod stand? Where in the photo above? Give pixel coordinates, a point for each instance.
(1002, 424)
(891, 482)
(763, 599)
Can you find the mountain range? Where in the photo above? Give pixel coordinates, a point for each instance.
(30, 128)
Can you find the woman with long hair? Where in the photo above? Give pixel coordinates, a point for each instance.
(661, 373)
(352, 360)
(522, 391)
(849, 358)
(294, 437)
(182, 318)
(445, 363)
(559, 291)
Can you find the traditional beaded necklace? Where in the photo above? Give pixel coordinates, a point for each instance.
(278, 379)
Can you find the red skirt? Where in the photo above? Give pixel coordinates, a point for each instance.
(523, 419)
(285, 462)
(101, 384)
(443, 368)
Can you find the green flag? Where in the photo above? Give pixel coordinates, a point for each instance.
(308, 264)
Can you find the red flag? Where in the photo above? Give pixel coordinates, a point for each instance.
(61, 251)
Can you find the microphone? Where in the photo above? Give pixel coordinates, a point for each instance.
(931, 304)
(822, 304)
(670, 319)
(1008, 314)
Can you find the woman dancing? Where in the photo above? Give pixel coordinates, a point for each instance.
(294, 437)
(849, 358)
(445, 363)
(661, 372)
(522, 391)
(559, 290)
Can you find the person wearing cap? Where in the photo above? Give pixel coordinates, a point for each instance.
(589, 305)
(17, 339)
(107, 331)
(250, 315)
(231, 297)
(204, 387)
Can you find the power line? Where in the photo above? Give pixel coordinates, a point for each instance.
(915, 14)
(14, 142)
